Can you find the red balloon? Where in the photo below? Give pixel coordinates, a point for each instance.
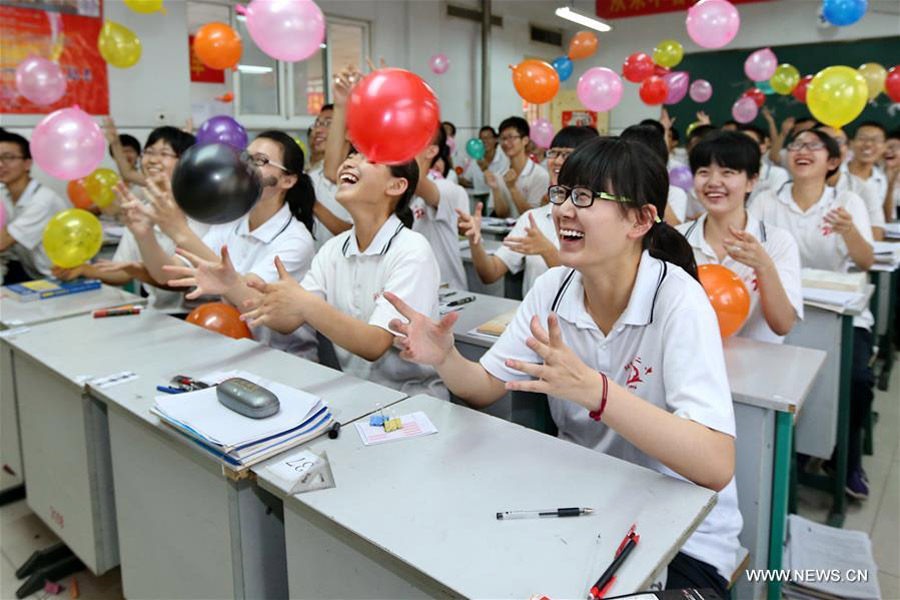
(392, 115)
(892, 84)
(728, 295)
(638, 67)
(800, 91)
(79, 196)
(221, 318)
(757, 94)
(654, 90)
(658, 70)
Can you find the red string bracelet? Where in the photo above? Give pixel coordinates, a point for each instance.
(597, 414)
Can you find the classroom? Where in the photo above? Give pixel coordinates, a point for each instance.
(377, 299)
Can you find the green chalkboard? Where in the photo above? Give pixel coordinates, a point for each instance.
(725, 71)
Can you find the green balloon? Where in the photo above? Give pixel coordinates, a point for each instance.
(475, 148)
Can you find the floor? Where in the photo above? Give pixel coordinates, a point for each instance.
(21, 532)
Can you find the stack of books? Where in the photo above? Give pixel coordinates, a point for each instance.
(238, 441)
(830, 288)
(41, 289)
(887, 254)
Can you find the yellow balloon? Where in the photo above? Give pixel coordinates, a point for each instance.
(668, 53)
(302, 145)
(837, 95)
(875, 76)
(72, 237)
(100, 186)
(692, 127)
(785, 79)
(145, 7)
(118, 45)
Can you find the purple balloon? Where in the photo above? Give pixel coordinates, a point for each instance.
(744, 110)
(599, 89)
(677, 84)
(40, 81)
(701, 91)
(682, 177)
(222, 129)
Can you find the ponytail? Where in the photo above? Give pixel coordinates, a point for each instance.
(301, 197)
(664, 242)
(410, 172)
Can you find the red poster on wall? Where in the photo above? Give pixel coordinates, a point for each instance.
(617, 9)
(200, 73)
(58, 30)
(579, 118)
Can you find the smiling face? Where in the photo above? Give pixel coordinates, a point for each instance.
(512, 142)
(840, 137)
(489, 140)
(363, 183)
(722, 190)
(868, 144)
(556, 157)
(13, 164)
(319, 135)
(892, 153)
(159, 160)
(275, 179)
(808, 158)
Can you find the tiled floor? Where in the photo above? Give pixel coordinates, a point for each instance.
(21, 532)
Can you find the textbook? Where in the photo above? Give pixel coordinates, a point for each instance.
(832, 280)
(41, 289)
(497, 325)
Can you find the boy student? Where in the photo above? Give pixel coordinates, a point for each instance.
(892, 171)
(28, 206)
(494, 161)
(318, 136)
(524, 185)
(771, 177)
(868, 147)
(331, 218)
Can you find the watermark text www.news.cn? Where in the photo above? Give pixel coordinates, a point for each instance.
(807, 575)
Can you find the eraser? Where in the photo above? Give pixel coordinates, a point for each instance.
(376, 421)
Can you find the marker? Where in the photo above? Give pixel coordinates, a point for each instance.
(169, 390)
(606, 580)
(462, 301)
(540, 514)
(116, 312)
(334, 431)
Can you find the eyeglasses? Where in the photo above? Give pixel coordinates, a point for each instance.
(811, 146)
(563, 154)
(158, 154)
(868, 139)
(8, 158)
(509, 138)
(261, 160)
(322, 124)
(581, 197)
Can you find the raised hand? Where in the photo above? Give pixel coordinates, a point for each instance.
(424, 342)
(747, 250)
(470, 225)
(210, 278)
(534, 242)
(280, 306)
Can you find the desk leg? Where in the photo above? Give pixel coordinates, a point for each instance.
(781, 480)
(886, 347)
(11, 477)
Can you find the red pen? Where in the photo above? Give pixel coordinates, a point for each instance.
(599, 589)
(116, 312)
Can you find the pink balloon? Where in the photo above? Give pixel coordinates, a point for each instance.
(288, 30)
(744, 109)
(541, 133)
(439, 64)
(712, 23)
(677, 84)
(2, 215)
(40, 81)
(599, 89)
(761, 65)
(701, 90)
(68, 144)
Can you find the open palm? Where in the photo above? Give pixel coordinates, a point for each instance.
(208, 277)
(426, 342)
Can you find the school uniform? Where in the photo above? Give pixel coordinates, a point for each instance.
(439, 225)
(398, 260)
(771, 178)
(326, 191)
(783, 251)
(498, 166)
(532, 182)
(533, 264)
(678, 200)
(878, 179)
(26, 220)
(867, 190)
(665, 348)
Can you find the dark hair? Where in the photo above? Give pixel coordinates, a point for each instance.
(410, 172)
(127, 141)
(674, 133)
(649, 136)
(803, 119)
(729, 149)
(894, 134)
(624, 167)
(301, 197)
(760, 134)
(874, 124)
(487, 128)
(831, 146)
(452, 126)
(443, 151)
(655, 124)
(15, 138)
(326, 107)
(573, 136)
(517, 123)
(699, 131)
(731, 122)
(179, 140)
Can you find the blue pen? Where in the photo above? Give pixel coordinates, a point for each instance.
(169, 390)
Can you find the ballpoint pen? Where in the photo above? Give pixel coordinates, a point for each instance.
(462, 301)
(541, 514)
(602, 585)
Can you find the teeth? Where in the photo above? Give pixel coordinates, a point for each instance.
(571, 233)
(348, 178)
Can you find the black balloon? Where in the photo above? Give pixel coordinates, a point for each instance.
(212, 184)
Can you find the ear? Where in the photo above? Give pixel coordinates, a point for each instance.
(644, 218)
(526, 140)
(751, 183)
(396, 186)
(287, 181)
(833, 163)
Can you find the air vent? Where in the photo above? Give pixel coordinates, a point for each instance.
(471, 14)
(546, 36)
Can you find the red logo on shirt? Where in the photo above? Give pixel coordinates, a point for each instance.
(754, 284)
(635, 370)
(419, 213)
(826, 228)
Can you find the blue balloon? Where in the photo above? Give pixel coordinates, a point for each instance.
(844, 12)
(563, 67)
(765, 87)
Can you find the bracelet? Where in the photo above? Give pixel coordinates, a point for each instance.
(597, 414)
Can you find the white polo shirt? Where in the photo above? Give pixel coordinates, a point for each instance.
(664, 348)
(325, 195)
(533, 264)
(783, 251)
(678, 200)
(820, 247)
(26, 220)
(254, 252)
(499, 165)
(878, 179)
(532, 182)
(398, 260)
(439, 225)
(867, 190)
(771, 177)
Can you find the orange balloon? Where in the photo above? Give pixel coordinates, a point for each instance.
(728, 295)
(79, 196)
(536, 81)
(221, 318)
(218, 46)
(583, 45)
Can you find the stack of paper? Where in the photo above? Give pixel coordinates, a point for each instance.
(827, 562)
(240, 441)
(892, 231)
(887, 253)
(497, 325)
(832, 288)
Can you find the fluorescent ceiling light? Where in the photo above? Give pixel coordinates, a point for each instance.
(254, 69)
(240, 17)
(567, 13)
(323, 45)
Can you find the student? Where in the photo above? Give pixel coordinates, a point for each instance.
(131, 149)
(725, 167)
(231, 255)
(342, 296)
(771, 177)
(790, 127)
(731, 125)
(844, 181)
(652, 137)
(28, 206)
(523, 186)
(632, 358)
(892, 173)
(833, 232)
(532, 244)
(494, 161)
(330, 217)
(452, 149)
(868, 147)
(127, 168)
(318, 137)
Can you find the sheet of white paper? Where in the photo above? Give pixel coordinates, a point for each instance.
(833, 297)
(414, 425)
